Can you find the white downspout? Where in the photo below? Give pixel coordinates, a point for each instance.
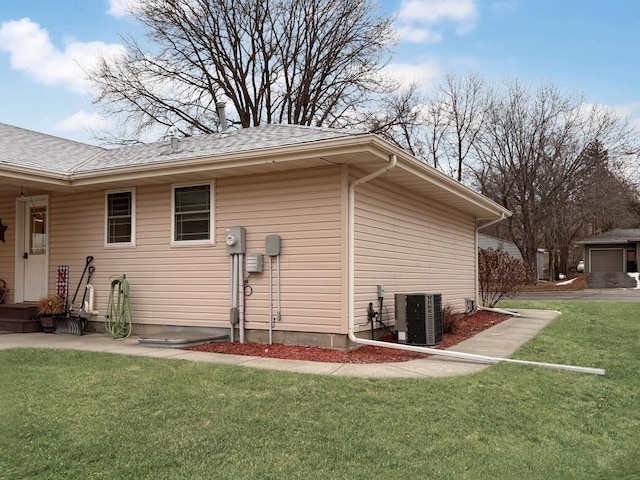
(445, 353)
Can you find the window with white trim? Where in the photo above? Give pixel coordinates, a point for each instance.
(120, 218)
(192, 214)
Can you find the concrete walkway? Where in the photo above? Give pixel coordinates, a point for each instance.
(499, 341)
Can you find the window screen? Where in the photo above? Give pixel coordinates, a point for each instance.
(192, 213)
(119, 217)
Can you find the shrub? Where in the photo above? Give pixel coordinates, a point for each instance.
(450, 319)
(500, 275)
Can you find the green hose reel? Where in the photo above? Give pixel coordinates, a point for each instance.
(118, 318)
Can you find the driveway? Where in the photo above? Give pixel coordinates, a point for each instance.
(607, 294)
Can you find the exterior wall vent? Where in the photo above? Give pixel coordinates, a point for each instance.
(470, 305)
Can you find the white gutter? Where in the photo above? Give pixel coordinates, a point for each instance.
(398, 346)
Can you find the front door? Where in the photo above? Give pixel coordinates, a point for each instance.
(34, 251)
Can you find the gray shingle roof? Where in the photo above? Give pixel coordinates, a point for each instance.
(619, 235)
(487, 241)
(232, 141)
(43, 152)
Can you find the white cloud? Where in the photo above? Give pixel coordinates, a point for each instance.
(631, 113)
(629, 110)
(32, 52)
(417, 19)
(436, 11)
(83, 122)
(121, 8)
(423, 73)
(417, 34)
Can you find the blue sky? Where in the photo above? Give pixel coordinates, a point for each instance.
(585, 46)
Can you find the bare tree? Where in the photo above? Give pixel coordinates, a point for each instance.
(533, 154)
(399, 118)
(295, 61)
(465, 100)
(598, 200)
(538, 152)
(440, 128)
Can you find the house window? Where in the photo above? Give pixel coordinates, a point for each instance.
(120, 228)
(192, 214)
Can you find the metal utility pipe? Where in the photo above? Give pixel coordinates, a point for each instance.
(278, 313)
(413, 348)
(270, 301)
(232, 269)
(241, 294)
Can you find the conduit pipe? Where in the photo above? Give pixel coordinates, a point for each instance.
(273, 318)
(413, 348)
(240, 257)
(270, 301)
(234, 284)
(88, 304)
(279, 311)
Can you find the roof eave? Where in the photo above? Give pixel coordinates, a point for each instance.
(366, 152)
(409, 163)
(237, 160)
(29, 177)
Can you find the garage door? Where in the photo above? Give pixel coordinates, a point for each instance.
(607, 260)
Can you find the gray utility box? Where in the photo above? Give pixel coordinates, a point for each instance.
(419, 318)
(254, 263)
(235, 239)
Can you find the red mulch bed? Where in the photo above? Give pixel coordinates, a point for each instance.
(466, 327)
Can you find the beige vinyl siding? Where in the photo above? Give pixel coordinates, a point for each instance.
(410, 245)
(169, 285)
(8, 249)
(190, 286)
(303, 207)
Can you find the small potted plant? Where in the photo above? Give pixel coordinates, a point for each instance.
(48, 308)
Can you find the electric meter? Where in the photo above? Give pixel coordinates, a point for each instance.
(235, 240)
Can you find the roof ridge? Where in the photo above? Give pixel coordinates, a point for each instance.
(55, 137)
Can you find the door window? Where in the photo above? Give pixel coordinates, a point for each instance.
(38, 231)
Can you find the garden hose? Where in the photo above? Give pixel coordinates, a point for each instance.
(118, 318)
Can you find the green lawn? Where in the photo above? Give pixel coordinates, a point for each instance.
(68, 415)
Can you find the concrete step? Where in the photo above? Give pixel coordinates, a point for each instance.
(19, 318)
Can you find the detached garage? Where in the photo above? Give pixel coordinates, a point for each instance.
(612, 251)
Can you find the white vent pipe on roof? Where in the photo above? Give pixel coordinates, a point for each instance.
(172, 133)
(222, 115)
(432, 351)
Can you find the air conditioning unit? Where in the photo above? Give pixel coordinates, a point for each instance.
(419, 318)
